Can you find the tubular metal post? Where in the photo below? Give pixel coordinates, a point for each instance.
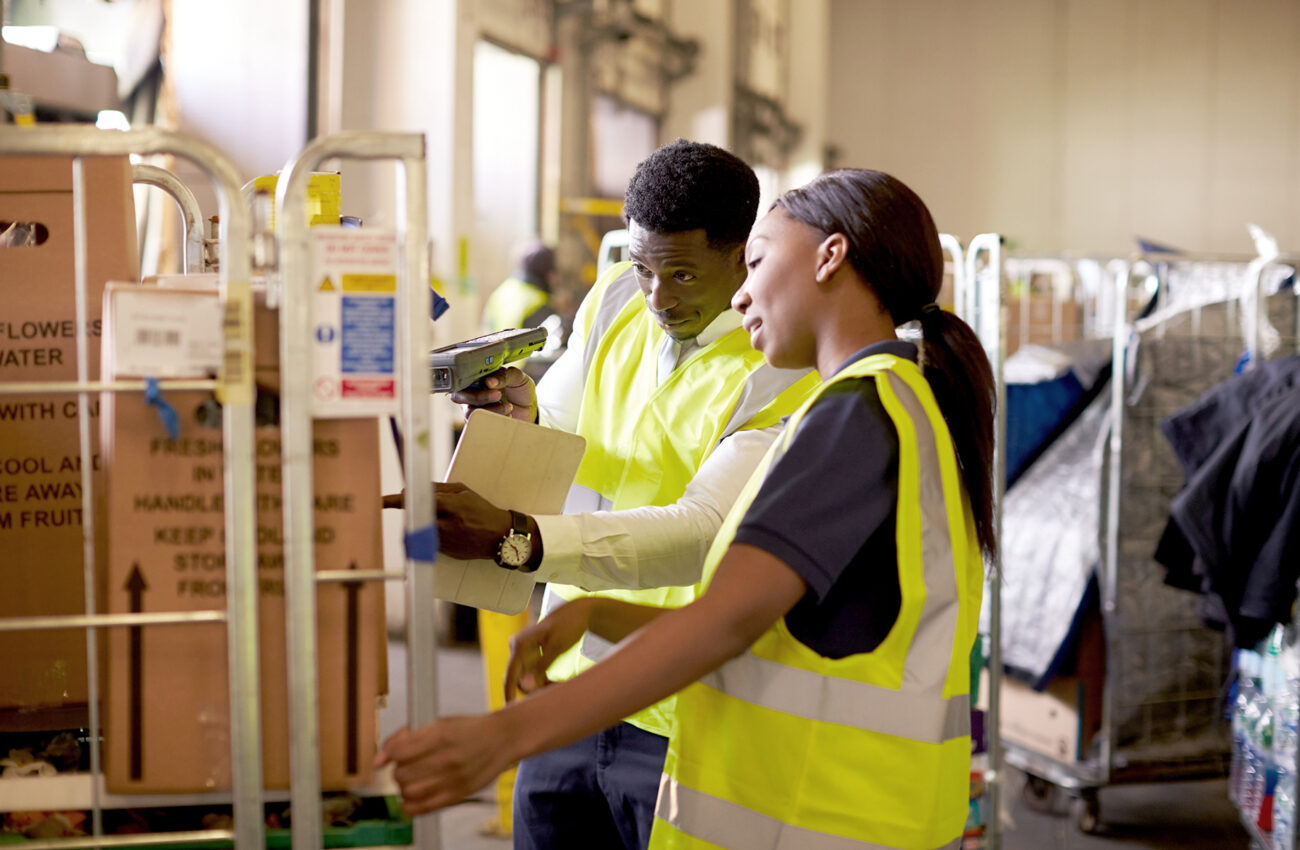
(79, 243)
(1118, 372)
(151, 175)
(296, 446)
(952, 245)
(989, 323)
(237, 431)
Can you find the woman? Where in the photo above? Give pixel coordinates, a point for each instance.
(842, 593)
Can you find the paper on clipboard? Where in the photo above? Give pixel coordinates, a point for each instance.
(513, 464)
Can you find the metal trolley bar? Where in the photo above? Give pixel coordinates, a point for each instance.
(982, 309)
(237, 434)
(359, 575)
(29, 388)
(167, 839)
(65, 621)
(152, 175)
(296, 446)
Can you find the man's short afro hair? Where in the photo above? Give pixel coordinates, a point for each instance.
(688, 185)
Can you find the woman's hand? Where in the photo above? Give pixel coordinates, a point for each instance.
(508, 392)
(535, 648)
(443, 763)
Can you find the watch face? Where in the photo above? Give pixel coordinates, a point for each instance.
(515, 549)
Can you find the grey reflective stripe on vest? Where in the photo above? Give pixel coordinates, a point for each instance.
(917, 710)
(612, 301)
(858, 705)
(763, 385)
(736, 827)
(932, 644)
(594, 647)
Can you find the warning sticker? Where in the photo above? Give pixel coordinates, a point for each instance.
(367, 335)
(354, 313)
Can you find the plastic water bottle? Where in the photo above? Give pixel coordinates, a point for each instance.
(1245, 688)
(1266, 770)
(1286, 713)
(1254, 765)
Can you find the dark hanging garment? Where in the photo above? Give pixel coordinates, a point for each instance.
(1237, 520)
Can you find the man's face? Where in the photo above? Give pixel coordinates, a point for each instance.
(686, 283)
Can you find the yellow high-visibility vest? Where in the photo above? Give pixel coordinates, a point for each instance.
(784, 748)
(646, 440)
(510, 303)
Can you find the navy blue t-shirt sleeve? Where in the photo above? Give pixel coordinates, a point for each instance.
(832, 490)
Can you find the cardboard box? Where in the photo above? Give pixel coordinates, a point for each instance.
(1048, 722)
(44, 683)
(61, 79)
(167, 704)
(1043, 319)
(1060, 722)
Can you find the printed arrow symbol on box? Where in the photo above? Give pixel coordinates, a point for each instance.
(353, 589)
(136, 586)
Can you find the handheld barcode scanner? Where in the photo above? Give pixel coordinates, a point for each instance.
(463, 365)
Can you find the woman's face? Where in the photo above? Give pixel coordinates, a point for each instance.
(779, 300)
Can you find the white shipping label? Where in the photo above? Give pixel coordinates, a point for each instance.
(161, 334)
(354, 322)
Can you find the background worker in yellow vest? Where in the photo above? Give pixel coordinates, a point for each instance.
(677, 408)
(522, 300)
(841, 597)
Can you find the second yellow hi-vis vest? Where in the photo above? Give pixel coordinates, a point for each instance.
(511, 303)
(646, 440)
(784, 749)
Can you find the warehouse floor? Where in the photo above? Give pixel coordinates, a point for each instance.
(1184, 815)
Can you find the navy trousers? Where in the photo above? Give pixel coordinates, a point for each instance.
(596, 793)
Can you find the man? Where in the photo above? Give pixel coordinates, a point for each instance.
(677, 409)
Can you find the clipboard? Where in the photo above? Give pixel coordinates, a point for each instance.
(513, 464)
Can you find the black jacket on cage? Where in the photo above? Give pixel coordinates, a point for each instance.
(1234, 531)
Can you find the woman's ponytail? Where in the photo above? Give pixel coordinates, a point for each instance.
(961, 379)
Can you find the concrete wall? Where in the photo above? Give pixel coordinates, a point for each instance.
(1076, 124)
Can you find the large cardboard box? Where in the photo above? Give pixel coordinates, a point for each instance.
(1049, 722)
(1048, 321)
(1061, 720)
(167, 708)
(44, 682)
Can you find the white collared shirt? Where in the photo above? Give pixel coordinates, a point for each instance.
(594, 548)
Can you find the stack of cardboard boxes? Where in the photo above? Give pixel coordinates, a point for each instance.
(159, 524)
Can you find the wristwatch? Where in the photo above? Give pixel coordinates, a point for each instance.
(517, 546)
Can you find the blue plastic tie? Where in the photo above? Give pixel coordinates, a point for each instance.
(422, 544)
(166, 413)
(437, 306)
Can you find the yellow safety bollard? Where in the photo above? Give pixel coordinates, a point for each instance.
(494, 633)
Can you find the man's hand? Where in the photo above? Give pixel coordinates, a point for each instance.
(443, 763)
(469, 526)
(508, 392)
(536, 647)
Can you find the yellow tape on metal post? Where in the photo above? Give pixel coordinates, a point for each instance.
(236, 379)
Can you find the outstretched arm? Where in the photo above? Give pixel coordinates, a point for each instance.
(440, 764)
